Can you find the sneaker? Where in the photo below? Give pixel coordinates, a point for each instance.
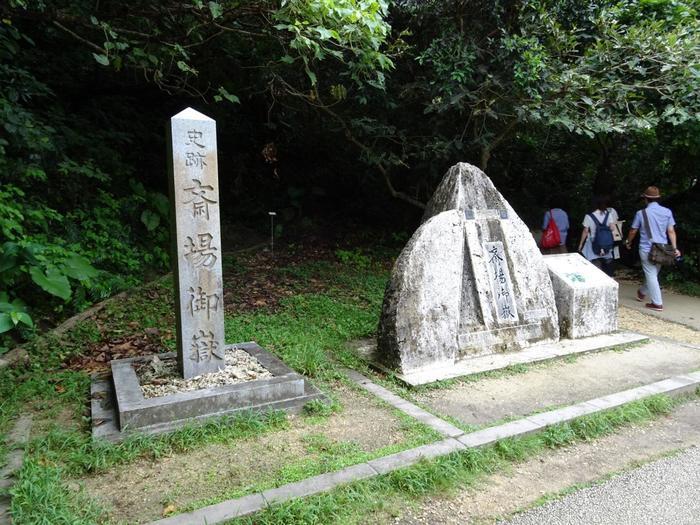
(657, 307)
(640, 296)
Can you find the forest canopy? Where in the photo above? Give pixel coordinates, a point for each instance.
(322, 105)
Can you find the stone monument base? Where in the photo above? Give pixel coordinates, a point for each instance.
(119, 406)
(498, 361)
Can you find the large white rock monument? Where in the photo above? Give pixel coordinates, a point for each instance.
(471, 281)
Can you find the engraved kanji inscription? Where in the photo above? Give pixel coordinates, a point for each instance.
(205, 346)
(199, 251)
(202, 302)
(200, 198)
(500, 282)
(194, 137)
(195, 159)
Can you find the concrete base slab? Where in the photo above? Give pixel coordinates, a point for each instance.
(119, 407)
(561, 383)
(533, 354)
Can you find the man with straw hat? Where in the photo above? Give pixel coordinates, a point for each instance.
(655, 224)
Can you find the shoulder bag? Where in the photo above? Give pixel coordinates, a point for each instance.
(663, 254)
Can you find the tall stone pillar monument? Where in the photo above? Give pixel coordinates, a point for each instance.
(196, 234)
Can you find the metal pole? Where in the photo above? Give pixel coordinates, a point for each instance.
(272, 215)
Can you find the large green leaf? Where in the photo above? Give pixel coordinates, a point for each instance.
(78, 268)
(102, 59)
(21, 317)
(6, 323)
(53, 282)
(150, 219)
(8, 256)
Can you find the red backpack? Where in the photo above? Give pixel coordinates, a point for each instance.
(550, 236)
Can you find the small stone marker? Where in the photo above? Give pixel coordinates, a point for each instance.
(586, 297)
(194, 193)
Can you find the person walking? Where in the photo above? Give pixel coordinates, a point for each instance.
(655, 224)
(596, 243)
(561, 219)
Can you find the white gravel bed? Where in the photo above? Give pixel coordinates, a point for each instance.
(161, 378)
(664, 492)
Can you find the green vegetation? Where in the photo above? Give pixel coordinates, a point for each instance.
(311, 330)
(341, 115)
(322, 105)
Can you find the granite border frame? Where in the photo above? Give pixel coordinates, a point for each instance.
(118, 406)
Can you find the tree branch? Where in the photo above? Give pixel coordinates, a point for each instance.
(488, 148)
(78, 37)
(382, 169)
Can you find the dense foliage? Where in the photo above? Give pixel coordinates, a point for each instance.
(321, 105)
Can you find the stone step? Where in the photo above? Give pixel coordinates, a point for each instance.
(559, 383)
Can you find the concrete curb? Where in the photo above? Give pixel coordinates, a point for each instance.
(227, 510)
(425, 417)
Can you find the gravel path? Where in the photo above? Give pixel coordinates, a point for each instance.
(665, 491)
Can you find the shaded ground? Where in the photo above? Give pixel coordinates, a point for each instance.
(677, 308)
(560, 383)
(644, 323)
(501, 494)
(143, 322)
(143, 490)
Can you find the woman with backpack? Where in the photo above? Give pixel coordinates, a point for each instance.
(597, 243)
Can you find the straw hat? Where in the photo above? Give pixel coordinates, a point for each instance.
(652, 192)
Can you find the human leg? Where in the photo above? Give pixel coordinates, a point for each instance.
(651, 279)
(609, 266)
(599, 263)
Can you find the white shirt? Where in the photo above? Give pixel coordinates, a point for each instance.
(589, 223)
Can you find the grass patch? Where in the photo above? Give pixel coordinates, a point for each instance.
(310, 333)
(40, 497)
(76, 453)
(358, 501)
(318, 409)
(325, 455)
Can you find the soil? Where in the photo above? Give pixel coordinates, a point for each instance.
(257, 284)
(501, 494)
(140, 491)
